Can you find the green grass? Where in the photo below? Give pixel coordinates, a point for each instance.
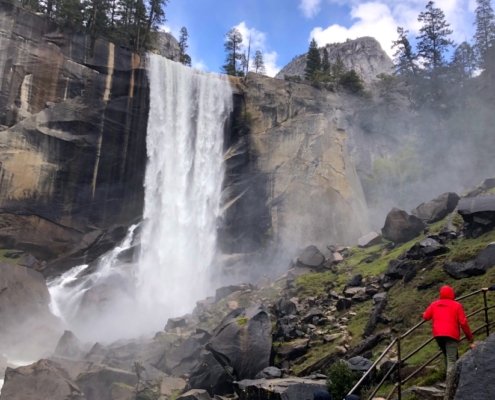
(14, 261)
(317, 352)
(242, 321)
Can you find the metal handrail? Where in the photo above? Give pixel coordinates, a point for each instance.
(398, 339)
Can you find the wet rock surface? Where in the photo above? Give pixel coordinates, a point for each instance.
(402, 227)
(438, 208)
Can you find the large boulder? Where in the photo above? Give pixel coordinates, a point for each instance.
(402, 227)
(279, 389)
(209, 375)
(371, 239)
(482, 263)
(42, 380)
(398, 269)
(98, 385)
(472, 376)
(70, 346)
(243, 339)
(184, 358)
(478, 214)
(27, 326)
(293, 350)
(311, 257)
(438, 208)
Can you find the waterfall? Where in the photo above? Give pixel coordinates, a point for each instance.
(187, 118)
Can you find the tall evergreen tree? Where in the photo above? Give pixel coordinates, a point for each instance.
(404, 57)
(184, 58)
(313, 60)
(325, 62)
(232, 46)
(484, 38)
(464, 61)
(434, 37)
(338, 68)
(259, 63)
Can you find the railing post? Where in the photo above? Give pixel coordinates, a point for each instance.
(399, 370)
(486, 315)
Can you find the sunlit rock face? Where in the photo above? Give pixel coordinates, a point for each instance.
(364, 55)
(289, 177)
(73, 118)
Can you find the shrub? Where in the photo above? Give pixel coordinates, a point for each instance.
(341, 379)
(292, 78)
(351, 80)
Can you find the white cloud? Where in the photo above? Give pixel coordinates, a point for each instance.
(200, 65)
(258, 42)
(380, 19)
(310, 7)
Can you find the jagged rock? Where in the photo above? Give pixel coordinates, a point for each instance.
(98, 385)
(484, 261)
(184, 358)
(380, 302)
(478, 214)
(356, 280)
(202, 336)
(398, 269)
(70, 346)
(353, 291)
(195, 394)
(331, 338)
(337, 258)
(42, 380)
(311, 257)
(359, 364)
(244, 339)
(371, 239)
(171, 385)
(14, 254)
(379, 297)
(74, 368)
(402, 227)
(424, 393)
(279, 389)
(293, 350)
(173, 323)
(270, 373)
(343, 304)
(211, 376)
(314, 312)
(437, 209)
(168, 46)
(28, 261)
(430, 247)
(286, 307)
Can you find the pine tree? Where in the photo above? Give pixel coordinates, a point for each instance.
(404, 57)
(259, 63)
(184, 58)
(233, 48)
(434, 37)
(464, 61)
(338, 68)
(484, 37)
(313, 60)
(325, 62)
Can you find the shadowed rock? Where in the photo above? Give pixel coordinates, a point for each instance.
(402, 227)
(311, 257)
(70, 346)
(371, 239)
(210, 375)
(279, 389)
(438, 208)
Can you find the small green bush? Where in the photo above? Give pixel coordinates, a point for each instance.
(351, 80)
(341, 379)
(242, 321)
(292, 78)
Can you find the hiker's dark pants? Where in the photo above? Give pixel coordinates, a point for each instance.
(449, 350)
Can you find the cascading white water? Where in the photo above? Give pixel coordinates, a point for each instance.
(188, 113)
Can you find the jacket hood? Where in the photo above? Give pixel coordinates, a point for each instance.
(446, 292)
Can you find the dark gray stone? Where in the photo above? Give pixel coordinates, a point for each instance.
(98, 385)
(243, 339)
(211, 376)
(270, 373)
(356, 280)
(279, 389)
(478, 214)
(398, 269)
(184, 358)
(226, 290)
(293, 350)
(371, 239)
(286, 307)
(463, 270)
(438, 208)
(314, 312)
(311, 257)
(70, 346)
(359, 364)
(343, 304)
(173, 323)
(402, 227)
(28, 261)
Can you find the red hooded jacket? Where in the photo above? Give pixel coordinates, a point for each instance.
(447, 315)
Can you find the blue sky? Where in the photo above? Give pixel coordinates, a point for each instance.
(282, 29)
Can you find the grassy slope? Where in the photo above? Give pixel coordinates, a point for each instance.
(8, 260)
(406, 303)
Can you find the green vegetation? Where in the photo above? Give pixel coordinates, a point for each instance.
(234, 57)
(341, 380)
(317, 352)
(242, 321)
(14, 261)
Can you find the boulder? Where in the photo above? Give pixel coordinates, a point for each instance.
(184, 358)
(243, 338)
(293, 350)
(430, 247)
(370, 239)
(173, 323)
(343, 304)
(98, 385)
(356, 280)
(286, 307)
(359, 364)
(195, 394)
(211, 376)
(398, 269)
(350, 292)
(311, 257)
(70, 346)
(437, 209)
(484, 261)
(42, 380)
(423, 393)
(314, 312)
(171, 385)
(28, 261)
(478, 214)
(227, 290)
(270, 373)
(14, 254)
(402, 227)
(473, 375)
(279, 389)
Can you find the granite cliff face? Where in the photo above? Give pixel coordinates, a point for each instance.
(73, 116)
(290, 178)
(364, 55)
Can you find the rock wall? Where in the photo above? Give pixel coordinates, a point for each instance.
(290, 179)
(73, 117)
(364, 55)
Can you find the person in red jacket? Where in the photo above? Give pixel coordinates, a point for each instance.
(447, 314)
